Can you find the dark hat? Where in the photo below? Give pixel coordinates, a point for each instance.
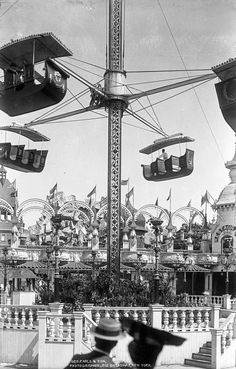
(145, 334)
(108, 329)
(148, 342)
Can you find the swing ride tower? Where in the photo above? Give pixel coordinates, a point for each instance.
(114, 87)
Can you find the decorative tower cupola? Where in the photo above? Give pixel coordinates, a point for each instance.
(226, 212)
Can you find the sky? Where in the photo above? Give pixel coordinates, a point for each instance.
(164, 34)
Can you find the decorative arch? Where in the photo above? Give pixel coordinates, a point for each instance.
(125, 213)
(79, 207)
(35, 204)
(151, 211)
(188, 214)
(44, 212)
(6, 206)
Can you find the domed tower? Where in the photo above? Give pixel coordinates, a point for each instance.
(8, 206)
(224, 233)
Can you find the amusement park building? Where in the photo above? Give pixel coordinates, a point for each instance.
(199, 254)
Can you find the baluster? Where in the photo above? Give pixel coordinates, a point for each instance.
(229, 334)
(107, 314)
(183, 321)
(16, 316)
(30, 318)
(60, 327)
(51, 328)
(8, 315)
(175, 320)
(97, 317)
(191, 320)
(144, 317)
(88, 333)
(135, 315)
(47, 326)
(4, 315)
(126, 314)
(223, 341)
(1, 317)
(166, 320)
(206, 320)
(199, 320)
(36, 316)
(69, 328)
(23, 317)
(117, 316)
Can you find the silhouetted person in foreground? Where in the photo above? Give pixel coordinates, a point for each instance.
(106, 336)
(147, 343)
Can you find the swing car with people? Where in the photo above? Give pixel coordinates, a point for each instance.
(174, 166)
(17, 157)
(24, 89)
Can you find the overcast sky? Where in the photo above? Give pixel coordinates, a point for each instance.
(181, 33)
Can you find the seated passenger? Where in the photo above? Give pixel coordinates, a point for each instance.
(163, 155)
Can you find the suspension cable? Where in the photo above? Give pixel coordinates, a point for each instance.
(85, 62)
(181, 58)
(177, 94)
(169, 70)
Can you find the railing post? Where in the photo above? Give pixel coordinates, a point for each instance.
(216, 348)
(41, 338)
(206, 298)
(77, 349)
(56, 307)
(233, 304)
(156, 315)
(88, 309)
(226, 301)
(215, 315)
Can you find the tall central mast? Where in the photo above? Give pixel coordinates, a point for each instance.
(115, 89)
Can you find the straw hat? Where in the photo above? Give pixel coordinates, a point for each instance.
(108, 329)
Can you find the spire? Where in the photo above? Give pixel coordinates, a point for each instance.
(3, 175)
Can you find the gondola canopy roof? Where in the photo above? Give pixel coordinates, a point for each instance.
(164, 142)
(31, 49)
(29, 133)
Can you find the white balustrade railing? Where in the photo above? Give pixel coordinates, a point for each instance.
(141, 314)
(175, 319)
(59, 327)
(204, 300)
(218, 300)
(20, 316)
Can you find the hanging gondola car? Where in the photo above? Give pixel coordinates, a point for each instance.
(24, 89)
(174, 166)
(16, 157)
(226, 90)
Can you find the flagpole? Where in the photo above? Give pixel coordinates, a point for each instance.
(127, 189)
(133, 202)
(206, 210)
